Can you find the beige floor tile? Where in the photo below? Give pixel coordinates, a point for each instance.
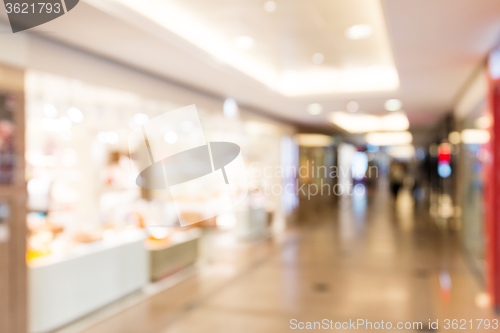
(354, 260)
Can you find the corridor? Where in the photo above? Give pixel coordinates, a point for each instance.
(365, 258)
(243, 166)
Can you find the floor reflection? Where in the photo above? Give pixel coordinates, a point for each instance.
(368, 257)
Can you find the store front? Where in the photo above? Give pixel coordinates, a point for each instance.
(84, 227)
(476, 116)
(472, 159)
(93, 234)
(492, 185)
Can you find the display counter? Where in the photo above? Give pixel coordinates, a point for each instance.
(252, 223)
(81, 189)
(64, 287)
(172, 255)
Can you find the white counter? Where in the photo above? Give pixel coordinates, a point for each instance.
(63, 288)
(180, 252)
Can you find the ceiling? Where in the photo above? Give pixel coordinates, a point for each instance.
(433, 47)
(285, 41)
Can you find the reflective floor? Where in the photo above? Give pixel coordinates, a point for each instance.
(360, 258)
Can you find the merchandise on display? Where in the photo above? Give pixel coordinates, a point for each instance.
(80, 183)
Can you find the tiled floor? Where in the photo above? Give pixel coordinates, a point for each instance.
(362, 259)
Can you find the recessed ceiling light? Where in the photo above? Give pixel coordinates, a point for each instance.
(50, 110)
(315, 108)
(483, 122)
(359, 31)
(230, 109)
(314, 140)
(363, 123)
(352, 106)
(403, 152)
(75, 115)
(270, 6)
(454, 138)
(112, 137)
(170, 137)
(389, 138)
(244, 42)
(102, 137)
(318, 58)
(393, 105)
(141, 118)
(475, 136)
